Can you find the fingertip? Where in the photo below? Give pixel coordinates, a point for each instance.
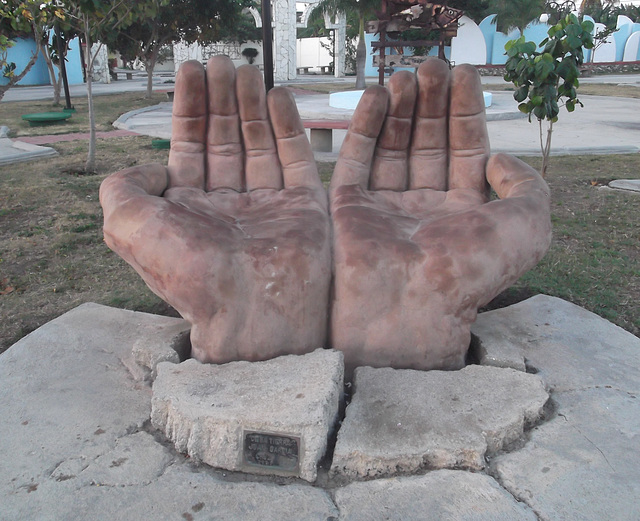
(221, 77)
(294, 150)
(190, 93)
(466, 91)
(512, 177)
(283, 113)
(358, 149)
(403, 89)
(250, 92)
(369, 115)
(433, 73)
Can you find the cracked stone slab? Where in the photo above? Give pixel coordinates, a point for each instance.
(401, 421)
(70, 409)
(18, 151)
(167, 342)
(65, 392)
(436, 496)
(583, 464)
(136, 459)
(183, 492)
(271, 417)
(571, 347)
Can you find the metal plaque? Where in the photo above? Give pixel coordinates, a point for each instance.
(271, 452)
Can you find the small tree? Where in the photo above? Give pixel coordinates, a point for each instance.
(604, 13)
(545, 78)
(169, 21)
(94, 19)
(364, 10)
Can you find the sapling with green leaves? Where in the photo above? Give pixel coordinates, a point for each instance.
(546, 79)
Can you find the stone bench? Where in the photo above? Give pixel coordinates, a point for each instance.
(321, 132)
(46, 118)
(128, 73)
(324, 69)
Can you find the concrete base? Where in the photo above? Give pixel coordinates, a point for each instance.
(19, 152)
(632, 185)
(272, 417)
(77, 442)
(321, 139)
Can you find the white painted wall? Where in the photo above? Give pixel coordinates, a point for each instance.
(469, 45)
(310, 52)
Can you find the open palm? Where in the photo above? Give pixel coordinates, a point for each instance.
(418, 245)
(234, 232)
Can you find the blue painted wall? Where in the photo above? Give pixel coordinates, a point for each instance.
(21, 53)
(489, 30)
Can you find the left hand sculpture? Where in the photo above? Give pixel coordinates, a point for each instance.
(235, 232)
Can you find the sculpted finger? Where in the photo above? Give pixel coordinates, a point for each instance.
(390, 166)
(468, 137)
(522, 223)
(356, 155)
(262, 167)
(428, 164)
(225, 159)
(189, 127)
(510, 177)
(125, 198)
(294, 150)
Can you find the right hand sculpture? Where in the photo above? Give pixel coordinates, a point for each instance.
(235, 232)
(418, 245)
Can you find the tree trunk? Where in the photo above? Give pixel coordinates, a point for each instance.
(545, 146)
(361, 56)
(52, 74)
(149, 66)
(90, 165)
(15, 79)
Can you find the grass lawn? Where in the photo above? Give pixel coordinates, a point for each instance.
(107, 109)
(53, 258)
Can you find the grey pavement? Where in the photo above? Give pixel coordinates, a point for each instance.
(606, 125)
(77, 442)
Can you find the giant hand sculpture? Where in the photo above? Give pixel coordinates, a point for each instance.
(418, 246)
(235, 232)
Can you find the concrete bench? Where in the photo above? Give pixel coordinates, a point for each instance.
(128, 73)
(321, 132)
(46, 118)
(302, 70)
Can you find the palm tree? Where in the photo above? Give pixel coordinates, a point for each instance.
(364, 10)
(516, 14)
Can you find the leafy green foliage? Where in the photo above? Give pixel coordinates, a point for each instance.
(545, 78)
(23, 18)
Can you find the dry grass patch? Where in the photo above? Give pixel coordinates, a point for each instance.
(594, 260)
(107, 110)
(52, 255)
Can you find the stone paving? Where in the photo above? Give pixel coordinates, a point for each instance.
(78, 443)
